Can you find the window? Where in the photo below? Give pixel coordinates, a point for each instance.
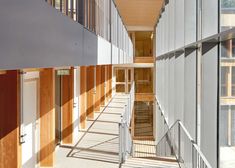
(224, 81)
(143, 80)
(124, 79)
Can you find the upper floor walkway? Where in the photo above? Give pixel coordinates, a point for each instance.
(98, 145)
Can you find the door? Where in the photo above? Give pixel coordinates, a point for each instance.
(124, 79)
(29, 121)
(57, 109)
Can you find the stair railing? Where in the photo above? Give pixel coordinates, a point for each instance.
(178, 143)
(125, 137)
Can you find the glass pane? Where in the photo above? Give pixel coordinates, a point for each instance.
(57, 4)
(120, 88)
(129, 88)
(227, 105)
(233, 126)
(224, 81)
(233, 81)
(143, 118)
(143, 80)
(120, 75)
(143, 44)
(129, 75)
(227, 15)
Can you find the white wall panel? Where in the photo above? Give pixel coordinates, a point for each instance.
(190, 7)
(190, 92)
(209, 104)
(179, 23)
(209, 17)
(104, 51)
(179, 87)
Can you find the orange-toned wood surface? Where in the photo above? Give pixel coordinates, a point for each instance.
(47, 117)
(106, 83)
(82, 98)
(98, 88)
(110, 82)
(102, 85)
(67, 107)
(90, 92)
(144, 97)
(9, 120)
(144, 60)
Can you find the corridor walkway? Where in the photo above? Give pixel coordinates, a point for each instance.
(97, 146)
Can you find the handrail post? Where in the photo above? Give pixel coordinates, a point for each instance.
(120, 142)
(179, 145)
(193, 161)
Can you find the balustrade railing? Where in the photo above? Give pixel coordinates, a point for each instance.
(125, 137)
(177, 143)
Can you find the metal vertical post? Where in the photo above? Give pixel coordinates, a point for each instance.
(179, 145)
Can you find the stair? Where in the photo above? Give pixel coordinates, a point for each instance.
(149, 163)
(144, 148)
(144, 156)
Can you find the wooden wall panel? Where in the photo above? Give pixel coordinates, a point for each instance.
(67, 107)
(110, 81)
(106, 83)
(144, 97)
(9, 120)
(90, 92)
(82, 98)
(102, 85)
(144, 59)
(47, 117)
(98, 88)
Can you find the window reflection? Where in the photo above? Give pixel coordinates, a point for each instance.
(227, 105)
(227, 14)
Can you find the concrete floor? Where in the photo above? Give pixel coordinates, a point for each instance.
(97, 146)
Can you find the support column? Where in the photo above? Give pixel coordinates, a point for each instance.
(82, 98)
(47, 117)
(109, 82)
(102, 85)
(9, 119)
(106, 84)
(90, 92)
(98, 88)
(67, 107)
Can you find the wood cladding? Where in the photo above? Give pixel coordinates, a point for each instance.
(9, 120)
(144, 60)
(90, 92)
(67, 107)
(106, 83)
(82, 97)
(47, 117)
(110, 81)
(98, 88)
(102, 85)
(144, 97)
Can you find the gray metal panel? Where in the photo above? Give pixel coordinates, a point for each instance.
(209, 17)
(190, 21)
(171, 92)
(190, 93)
(179, 87)
(34, 34)
(209, 104)
(179, 23)
(172, 25)
(90, 49)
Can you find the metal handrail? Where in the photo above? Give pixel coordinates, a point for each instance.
(125, 138)
(167, 132)
(199, 160)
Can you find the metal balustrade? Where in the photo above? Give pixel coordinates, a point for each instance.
(177, 143)
(125, 137)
